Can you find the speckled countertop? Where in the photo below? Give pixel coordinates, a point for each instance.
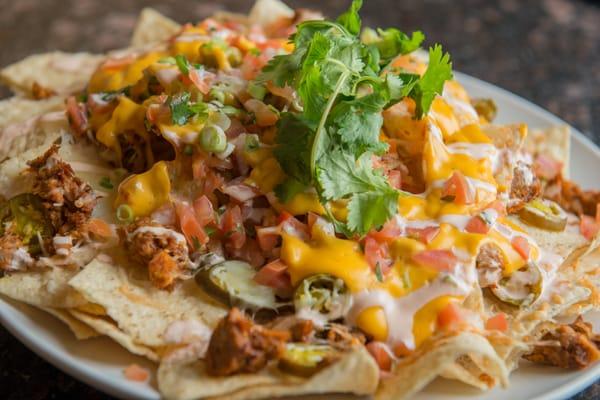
(547, 51)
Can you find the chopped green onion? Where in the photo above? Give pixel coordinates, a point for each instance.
(257, 91)
(124, 214)
(213, 139)
(255, 51)
(231, 111)
(217, 95)
(220, 119)
(106, 183)
(188, 150)
(251, 143)
(378, 273)
(167, 60)
(182, 64)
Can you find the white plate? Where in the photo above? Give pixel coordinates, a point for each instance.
(100, 362)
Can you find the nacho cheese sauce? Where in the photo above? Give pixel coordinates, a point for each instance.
(403, 308)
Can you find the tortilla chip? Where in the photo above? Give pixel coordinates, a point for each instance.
(18, 109)
(435, 358)
(554, 141)
(140, 310)
(79, 329)
(355, 373)
(63, 73)
(153, 27)
(265, 12)
(33, 132)
(562, 243)
(47, 288)
(107, 327)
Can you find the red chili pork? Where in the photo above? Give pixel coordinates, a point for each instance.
(525, 186)
(572, 346)
(571, 197)
(68, 200)
(162, 249)
(489, 264)
(239, 345)
(13, 255)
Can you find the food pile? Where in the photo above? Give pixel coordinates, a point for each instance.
(281, 204)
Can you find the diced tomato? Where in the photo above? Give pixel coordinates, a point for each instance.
(380, 354)
(232, 227)
(477, 225)
(589, 227)
(292, 226)
(77, 117)
(265, 116)
(268, 238)
(458, 189)
(201, 79)
(395, 178)
(400, 350)
(136, 373)
(99, 228)
(498, 322)
(204, 210)
(390, 231)
(241, 192)
(546, 167)
(521, 245)
(449, 316)
(377, 254)
(425, 235)
(311, 218)
(283, 216)
(286, 92)
(157, 112)
(191, 228)
(442, 260)
(499, 206)
(199, 168)
(251, 65)
(274, 275)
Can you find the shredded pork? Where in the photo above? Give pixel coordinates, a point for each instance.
(571, 346)
(239, 345)
(68, 200)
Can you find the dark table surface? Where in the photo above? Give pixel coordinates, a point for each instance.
(547, 51)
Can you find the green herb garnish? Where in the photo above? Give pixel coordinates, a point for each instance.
(106, 183)
(344, 86)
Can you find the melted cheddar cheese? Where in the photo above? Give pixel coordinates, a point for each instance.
(146, 192)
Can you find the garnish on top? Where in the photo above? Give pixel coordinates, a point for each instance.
(345, 84)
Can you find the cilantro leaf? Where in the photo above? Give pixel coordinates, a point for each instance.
(350, 19)
(340, 175)
(432, 81)
(371, 209)
(183, 64)
(287, 190)
(393, 42)
(294, 140)
(182, 110)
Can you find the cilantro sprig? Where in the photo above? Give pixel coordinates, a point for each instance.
(345, 84)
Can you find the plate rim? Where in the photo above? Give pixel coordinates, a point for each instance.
(63, 360)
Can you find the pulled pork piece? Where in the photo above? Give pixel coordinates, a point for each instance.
(68, 200)
(38, 92)
(13, 255)
(571, 197)
(489, 264)
(343, 337)
(302, 331)
(525, 186)
(576, 346)
(239, 345)
(162, 249)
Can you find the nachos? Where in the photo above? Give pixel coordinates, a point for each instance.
(281, 204)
